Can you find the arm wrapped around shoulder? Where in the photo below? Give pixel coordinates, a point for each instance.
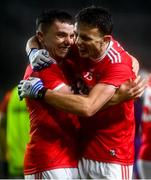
(39, 58)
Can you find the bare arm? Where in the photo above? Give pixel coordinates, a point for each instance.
(135, 65)
(32, 43)
(101, 96)
(86, 105)
(128, 90)
(81, 105)
(38, 56)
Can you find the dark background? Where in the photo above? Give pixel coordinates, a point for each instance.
(132, 28)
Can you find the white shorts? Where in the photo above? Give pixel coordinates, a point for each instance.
(144, 169)
(89, 169)
(62, 173)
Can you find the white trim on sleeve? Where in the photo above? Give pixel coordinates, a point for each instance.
(59, 87)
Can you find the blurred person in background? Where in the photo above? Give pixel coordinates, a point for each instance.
(138, 114)
(3, 124)
(144, 156)
(17, 133)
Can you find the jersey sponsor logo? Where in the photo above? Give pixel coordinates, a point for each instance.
(114, 56)
(112, 152)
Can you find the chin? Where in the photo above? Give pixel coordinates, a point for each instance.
(83, 55)
(63, 55)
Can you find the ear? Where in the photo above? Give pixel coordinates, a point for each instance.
(107, 38)
(40, 36)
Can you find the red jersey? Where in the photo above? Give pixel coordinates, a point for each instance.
(145, 147)
(108, 136)
(53, 133)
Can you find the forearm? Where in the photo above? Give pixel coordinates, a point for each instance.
(81, 105)
(113, 101)
(135, 65)
(68, 102)
(32, 43)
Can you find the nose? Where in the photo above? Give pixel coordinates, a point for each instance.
(68, 41)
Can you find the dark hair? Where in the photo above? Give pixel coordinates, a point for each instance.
(48, 17)
(96, 17)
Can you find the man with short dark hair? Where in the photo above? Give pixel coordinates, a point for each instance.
(52, 150)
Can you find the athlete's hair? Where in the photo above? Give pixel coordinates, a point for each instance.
(98, 17)
(48, 17)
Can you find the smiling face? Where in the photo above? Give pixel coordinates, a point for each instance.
(58, 39)
(90, 42)
(94, 27)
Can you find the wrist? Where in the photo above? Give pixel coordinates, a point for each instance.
(41, 93)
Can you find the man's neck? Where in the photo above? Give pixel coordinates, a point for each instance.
(59, 60)
(104, 48)
(104, 51)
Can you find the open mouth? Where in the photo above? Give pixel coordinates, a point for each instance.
(82, 51)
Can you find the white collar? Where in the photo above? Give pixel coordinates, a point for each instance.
(105, 53)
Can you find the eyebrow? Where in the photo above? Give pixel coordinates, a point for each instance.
(85, 37)
(63, 33)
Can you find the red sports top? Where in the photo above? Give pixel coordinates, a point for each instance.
(53, 133)
(108, 136)
(145, 147)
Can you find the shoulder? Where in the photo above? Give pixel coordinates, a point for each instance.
(117, 54)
